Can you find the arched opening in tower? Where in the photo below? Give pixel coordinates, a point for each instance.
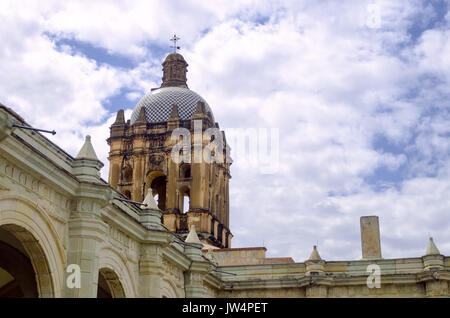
(185, 171)
(157, 181)
(185, 203)
(158, 186)
(184, 199)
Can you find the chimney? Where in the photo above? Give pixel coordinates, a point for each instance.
(370, 237)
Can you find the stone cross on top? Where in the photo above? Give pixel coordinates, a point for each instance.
(174, 39)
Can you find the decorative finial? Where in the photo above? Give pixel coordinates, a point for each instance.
(193, 237)
(87, 151)
(149, 201)
(432, 249)
(174, 39)
(315, 255)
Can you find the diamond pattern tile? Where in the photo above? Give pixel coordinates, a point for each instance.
(158, 104)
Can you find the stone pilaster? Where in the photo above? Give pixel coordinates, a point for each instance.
(316, 291)
(171, 190)
(151, 268)
(86, 233)
(436, 287)
(86, 228)
(200, 266)
(151, 263)
(194, 277)
(150, 271)
(197, 160)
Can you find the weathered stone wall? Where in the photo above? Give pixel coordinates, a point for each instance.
(399, 278)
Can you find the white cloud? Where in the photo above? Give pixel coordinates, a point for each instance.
(52, 89)
(126, 26)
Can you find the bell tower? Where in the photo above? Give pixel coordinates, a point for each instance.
(190, 191)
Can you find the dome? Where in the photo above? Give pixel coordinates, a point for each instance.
(174, 57)
(158, 104)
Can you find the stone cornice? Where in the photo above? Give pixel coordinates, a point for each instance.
(99, 192)
(434, 275)
(177, 257)
(331, 280)
(213, 281)
(124, 221)
(16, 150)
(163, 238)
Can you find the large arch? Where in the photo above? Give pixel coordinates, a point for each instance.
(169, 289)
(24, 259)
(115, 272)
(109, 285)
(39, 242)
(17, 276)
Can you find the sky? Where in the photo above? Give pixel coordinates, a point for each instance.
(358, 90)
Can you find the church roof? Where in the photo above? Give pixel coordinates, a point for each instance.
(158, 104)
(174, 57)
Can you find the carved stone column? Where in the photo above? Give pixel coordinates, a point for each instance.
(150, 271)
(86, 228)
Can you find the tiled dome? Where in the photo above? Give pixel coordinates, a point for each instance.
(158, 104)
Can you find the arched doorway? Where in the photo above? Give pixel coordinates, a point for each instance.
(109, 285)
(24, 270)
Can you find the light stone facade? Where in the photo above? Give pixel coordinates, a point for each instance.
(56, 211)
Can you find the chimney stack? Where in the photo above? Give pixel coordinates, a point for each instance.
(370, 237)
